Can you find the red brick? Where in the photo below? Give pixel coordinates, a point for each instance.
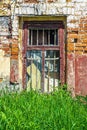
(14, 51)
(78, 48)
(70, 46)
(72, 35)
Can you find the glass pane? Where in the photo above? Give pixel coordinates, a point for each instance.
(45, 37)
(30, 37)
(52, 67)
(34, 37)
(53, 37)
(34, 67)
(40, 37)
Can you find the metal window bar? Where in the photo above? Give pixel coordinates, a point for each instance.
(54, 37)
(31, 33)
(37, 37)
(48, 37)
(57, 37)
(43, 36)
(52, 58)
(33, 58)
(54, 64)
(31, 36)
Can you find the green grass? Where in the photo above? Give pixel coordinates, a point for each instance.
(36, 111)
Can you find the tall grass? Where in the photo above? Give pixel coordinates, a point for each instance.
(36, 111)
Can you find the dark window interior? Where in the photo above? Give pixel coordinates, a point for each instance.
(43, 37)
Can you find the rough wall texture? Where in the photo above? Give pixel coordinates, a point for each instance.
(75, 38)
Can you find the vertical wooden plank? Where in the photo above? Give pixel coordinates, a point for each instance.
(43, 72)
(31, 73)
(54, 71)
(36, 74)
(48, 75)
(24, 43)
(62, 55)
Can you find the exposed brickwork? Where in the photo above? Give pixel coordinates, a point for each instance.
(30, 1)
(77, 37)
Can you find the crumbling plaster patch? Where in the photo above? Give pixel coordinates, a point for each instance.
(4, 66)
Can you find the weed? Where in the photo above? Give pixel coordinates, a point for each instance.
(36, 111)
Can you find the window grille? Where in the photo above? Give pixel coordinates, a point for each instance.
(43, 37)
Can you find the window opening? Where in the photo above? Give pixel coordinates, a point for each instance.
(43, 37)
(44, 68)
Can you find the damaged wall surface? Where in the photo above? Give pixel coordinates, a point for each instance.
(73, 13)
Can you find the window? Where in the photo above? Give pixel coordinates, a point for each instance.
(43, 46)
(43, 36)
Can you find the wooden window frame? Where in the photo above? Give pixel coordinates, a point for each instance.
(59, 47)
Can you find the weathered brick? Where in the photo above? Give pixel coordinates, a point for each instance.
(78, 48)
(14, 51)
(81, 25)
(14, 45)
(70, 46)
(80, 45)
(14, 57)
(84, 40)
(73, 21)
(72, 35)
(79, 52)
(85, 25)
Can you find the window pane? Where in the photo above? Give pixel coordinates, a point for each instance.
(43, 37)
(34, 69)
(34, 37)
(40, 37)
(52, 67)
